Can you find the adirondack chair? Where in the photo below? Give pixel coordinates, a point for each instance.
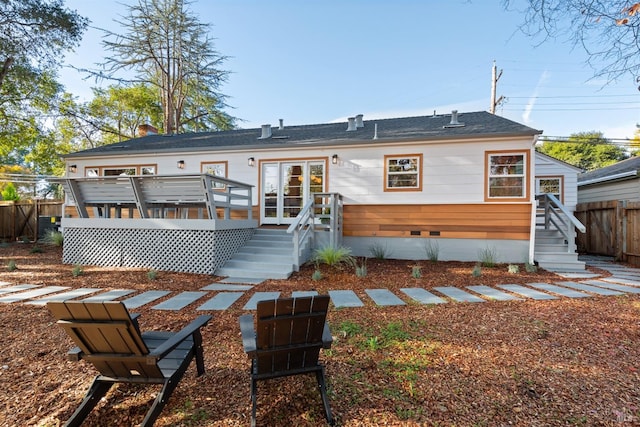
(109, 337)
(286, 341)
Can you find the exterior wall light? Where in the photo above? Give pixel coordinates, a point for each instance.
(180, 164)
(334, 159)
(73, 168)
(251, 161)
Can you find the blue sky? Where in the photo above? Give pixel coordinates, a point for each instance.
(320, 61)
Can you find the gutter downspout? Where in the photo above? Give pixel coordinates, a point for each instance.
(534, 202)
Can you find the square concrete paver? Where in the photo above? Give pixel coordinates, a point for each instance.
(109, 295)
(64, 296)
(615, 286)
(33, 293)
(458, 294)
(345, 299)
(179, 301)
(570, 293)
(384, 297)
(221, 301)
(252, 304)
(226, 287)
(423, 296)
(591, 289)
(298, 294)
(493, 293)
(17, 288)
(527, 292)
(144, 298)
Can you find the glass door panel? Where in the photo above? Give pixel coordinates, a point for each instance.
(292, 183)
(270, 186)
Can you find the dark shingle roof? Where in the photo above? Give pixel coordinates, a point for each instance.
(627, 167)
(434, 127)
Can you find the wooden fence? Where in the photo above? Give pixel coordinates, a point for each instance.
(613, 229)
(28, 219)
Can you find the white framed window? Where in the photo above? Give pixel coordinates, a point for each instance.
(94, 171)
(216, 169)
(506, 175)
(550, 185)
(403, 172)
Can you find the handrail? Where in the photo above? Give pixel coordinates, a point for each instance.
(150, 193)
(564, 224)
(302, 228)
(306, 223)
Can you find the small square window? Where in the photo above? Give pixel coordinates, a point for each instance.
(403, 173)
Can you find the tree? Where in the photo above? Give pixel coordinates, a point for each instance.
(35, 33)
(586, 150)
(9, 192)
(607, 30)
(113, 115)
(167, 47)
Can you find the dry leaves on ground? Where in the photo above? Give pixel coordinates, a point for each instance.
(560, 362)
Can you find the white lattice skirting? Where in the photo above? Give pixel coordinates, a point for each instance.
(161, 245)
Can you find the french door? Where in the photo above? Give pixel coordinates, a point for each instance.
(286, 186)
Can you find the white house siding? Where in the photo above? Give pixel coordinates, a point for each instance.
(548, 167)
(453, 173)
(620, 190)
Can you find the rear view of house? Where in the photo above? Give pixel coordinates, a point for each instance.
(459, 183)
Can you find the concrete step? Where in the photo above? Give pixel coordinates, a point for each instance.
(550, 247)
(259, 248)
(266, 256)
(252, 274)
(555, 261)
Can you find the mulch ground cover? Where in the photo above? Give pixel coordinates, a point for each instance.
(522, 363)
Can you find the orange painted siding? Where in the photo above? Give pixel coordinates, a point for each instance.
(465, 221)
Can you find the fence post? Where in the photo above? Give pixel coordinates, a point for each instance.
(621, 234)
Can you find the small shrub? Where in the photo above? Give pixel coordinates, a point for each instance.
(378, 250)
(477, 271)
(361, 268)
(513, 269)
(11, 265)
(432, 249)
(530, 268)
(488, 257)
(36, 250)
(77, 270)
(333, 257)
(317, 275)
(55, 238)
(416, 271)
(349, 328)
(152, 274)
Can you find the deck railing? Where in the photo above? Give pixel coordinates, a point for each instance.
(321, 213)
(153, 196)
(557, 217)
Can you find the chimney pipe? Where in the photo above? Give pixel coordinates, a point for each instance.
(266, 132)
(359, 122)
(454, 118)
(352, 124)
(281, 124)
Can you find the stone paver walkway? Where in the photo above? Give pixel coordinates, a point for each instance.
(224, 294)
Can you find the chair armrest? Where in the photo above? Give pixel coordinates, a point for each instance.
(248, 335)
(168, 346)
(327, 338)
(75, 354)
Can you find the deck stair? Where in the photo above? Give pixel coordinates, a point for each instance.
(552, 252)
(267, 255)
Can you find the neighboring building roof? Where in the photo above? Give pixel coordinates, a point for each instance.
(626, 169)
(558, 161)
(436, 127)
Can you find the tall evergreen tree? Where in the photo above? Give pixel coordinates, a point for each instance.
(165, 46)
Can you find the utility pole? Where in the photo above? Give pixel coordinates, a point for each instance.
(495, 76)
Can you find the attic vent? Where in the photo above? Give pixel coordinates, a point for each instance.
(266, 132)
(352, 124)
(454, 121)
(359, 121)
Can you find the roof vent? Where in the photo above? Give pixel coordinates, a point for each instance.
(375, 131)
(266, 132)
(359, 121)
(281, 124)
(454, 120)
(352, 124)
